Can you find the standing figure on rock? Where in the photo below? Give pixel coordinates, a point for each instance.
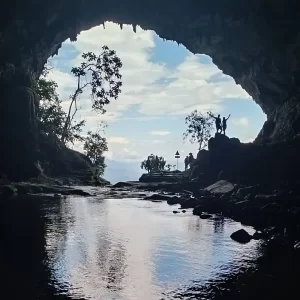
(217, 122)
(186, 162)
(191, 159)
(224, 124)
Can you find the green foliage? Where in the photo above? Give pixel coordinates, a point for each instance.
(168, 167)
(199, 128)
(154, 163)
(51, 113)
(94, 147)
(102, 75)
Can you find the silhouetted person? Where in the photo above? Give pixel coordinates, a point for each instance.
(217, 122)
(148, 165)
(224, 124)
(186, 162)
(191, 159)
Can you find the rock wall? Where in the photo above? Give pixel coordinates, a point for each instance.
(270, 164)
(256, 42)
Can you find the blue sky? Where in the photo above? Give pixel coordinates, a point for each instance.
(162, 83)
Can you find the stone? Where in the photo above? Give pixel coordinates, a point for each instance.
(23, 189)
(70, 191)
(264, 199)
(190, 203)
(205, 216)
(270, 210)
(241, 236)
(221, 187)
(122, 184)
(202, 192)
(8, 190)
(269, 231)
(257, 235)
(175, 212)
(198, 210)
(173, 200)
(278, 243)
(297, 246)
(162, 176)
(243, 192)
(161, 197)
(184, 211)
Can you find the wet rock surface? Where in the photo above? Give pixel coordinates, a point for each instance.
(15, 189)
(241, 236)
(273, 212)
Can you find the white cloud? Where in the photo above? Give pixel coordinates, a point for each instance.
(155, 89)
(161, 133)
(117, 140)
(241, 122)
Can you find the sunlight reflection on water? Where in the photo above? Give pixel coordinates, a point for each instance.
(132, 249)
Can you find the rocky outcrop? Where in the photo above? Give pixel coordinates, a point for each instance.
(241, 236)
(17, 189)
(256, 42)
(272, 164)
(58, 161)
(163, 176)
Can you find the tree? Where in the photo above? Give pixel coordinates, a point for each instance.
(94, 147)
(101, 74)
(168, 167)
(51, 113)
(199, 128)
(153, 163)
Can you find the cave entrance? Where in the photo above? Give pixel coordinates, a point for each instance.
(162, 83)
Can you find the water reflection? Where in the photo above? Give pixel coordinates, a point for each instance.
(132, 249)
(84, 248)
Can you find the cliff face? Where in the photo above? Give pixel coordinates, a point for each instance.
(226, 158)
(256, 42)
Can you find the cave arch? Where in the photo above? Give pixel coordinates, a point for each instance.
(256, 42)
(249, 41)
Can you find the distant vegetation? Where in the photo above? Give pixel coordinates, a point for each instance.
(199, 129)
(155, 163)
(98, 74)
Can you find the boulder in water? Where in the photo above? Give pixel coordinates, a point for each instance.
(122, 184)
(205, 216)
(198, 210)
(241, 236)
(190, 203)
(162, 197)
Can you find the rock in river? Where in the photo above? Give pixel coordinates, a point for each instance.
(122, 184)
(190, 203)
(241, 236)
(205, 216)
(162, 197)
(198, 210)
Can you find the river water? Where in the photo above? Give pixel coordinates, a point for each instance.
(125, 249)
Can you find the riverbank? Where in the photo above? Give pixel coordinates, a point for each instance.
(274, 213)
(45, 240)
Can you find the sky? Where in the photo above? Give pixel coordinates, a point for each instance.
(162, 83)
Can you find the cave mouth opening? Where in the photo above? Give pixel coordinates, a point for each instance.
(163, 82)
(255, 42)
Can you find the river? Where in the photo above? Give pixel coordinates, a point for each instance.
(125, 249)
